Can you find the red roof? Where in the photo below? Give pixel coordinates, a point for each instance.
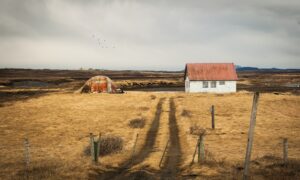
(210, 71)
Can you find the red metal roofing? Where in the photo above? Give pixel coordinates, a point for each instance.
(210, 71)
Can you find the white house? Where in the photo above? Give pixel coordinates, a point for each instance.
(210, 77)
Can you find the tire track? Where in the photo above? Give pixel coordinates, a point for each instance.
(171, 166)
(150, 138)
(147, 148)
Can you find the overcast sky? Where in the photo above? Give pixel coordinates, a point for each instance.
(153, 35)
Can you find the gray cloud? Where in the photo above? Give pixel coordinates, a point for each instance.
(148, 34)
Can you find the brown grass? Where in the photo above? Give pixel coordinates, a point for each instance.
(137, 123)
(58, 127)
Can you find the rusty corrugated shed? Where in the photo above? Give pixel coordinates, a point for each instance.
(99, 84)
(211, 71)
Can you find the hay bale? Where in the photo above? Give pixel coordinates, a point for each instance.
(137, 123)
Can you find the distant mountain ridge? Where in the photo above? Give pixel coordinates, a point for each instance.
(249, 68)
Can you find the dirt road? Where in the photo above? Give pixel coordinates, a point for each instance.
(123, 170)
(170, 168)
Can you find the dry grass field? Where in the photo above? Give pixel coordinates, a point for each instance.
(58, 124)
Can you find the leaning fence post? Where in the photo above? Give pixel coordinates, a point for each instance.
(213, 117)
(26, 156)
(162, 157)
(195, 151)
(134, 146)
(92, 147)
(285, 151)
(250, 135)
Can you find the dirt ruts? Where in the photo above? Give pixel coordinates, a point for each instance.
(170, 168)
(150, 138)
(122, 171)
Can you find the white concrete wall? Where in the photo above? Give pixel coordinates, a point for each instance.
(187, 85)
(197, 86)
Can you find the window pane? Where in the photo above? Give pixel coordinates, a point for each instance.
(205, 84)
(213, 84)
(222, 82)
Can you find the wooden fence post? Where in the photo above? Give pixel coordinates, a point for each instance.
(26, 156)
(195, 151)
(98, 147)
(92, 147)
(213, 117)
(134, 146)
(201, 149)
(162, 157)
(250, 135)
(285, 151)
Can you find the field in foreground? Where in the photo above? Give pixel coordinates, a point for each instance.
(58, 126)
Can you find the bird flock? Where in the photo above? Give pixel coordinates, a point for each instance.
(103, 43)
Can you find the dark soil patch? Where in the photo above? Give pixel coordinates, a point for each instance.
(31, 84)
(7, 97)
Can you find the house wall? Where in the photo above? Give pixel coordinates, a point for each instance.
(187, 85)
(197, 86)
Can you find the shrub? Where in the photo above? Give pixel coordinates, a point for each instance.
(186, 113)
(153, 97)
(137, 123)
(144, 108)
(108, 144)
(197, 130)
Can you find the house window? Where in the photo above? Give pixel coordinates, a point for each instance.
(205, 84)
(222, 82)
(213, 84)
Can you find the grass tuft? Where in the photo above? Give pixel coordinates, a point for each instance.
(137, 123)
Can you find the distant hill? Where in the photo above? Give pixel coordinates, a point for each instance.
(247, 68)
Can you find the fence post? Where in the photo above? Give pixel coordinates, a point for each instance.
(162, 157)
(26, 156)
(195, 151)
(134, 146)
(285, 151)
(92, 147)
(201, 148)
(98, 148)
(213, 117)
(250, 135)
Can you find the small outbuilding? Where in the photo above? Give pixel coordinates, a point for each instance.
(99, 84)
(210, 77)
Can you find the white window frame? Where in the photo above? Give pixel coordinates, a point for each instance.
(205, 84)
(213, 84)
